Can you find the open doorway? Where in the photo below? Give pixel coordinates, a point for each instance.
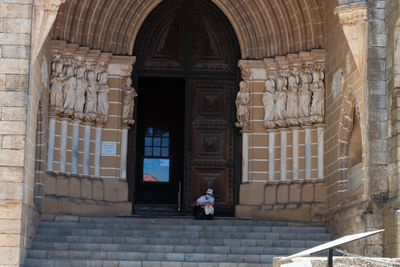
(160, 140)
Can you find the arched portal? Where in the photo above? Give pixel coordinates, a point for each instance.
(186, 77)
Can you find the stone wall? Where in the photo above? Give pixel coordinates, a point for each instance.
(391, 216)
(79, 176)
(16, 132)
(283, 157)
(349, 186)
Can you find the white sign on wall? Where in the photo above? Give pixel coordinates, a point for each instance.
(109, 148)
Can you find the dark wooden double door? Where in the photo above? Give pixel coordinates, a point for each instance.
(186, 77)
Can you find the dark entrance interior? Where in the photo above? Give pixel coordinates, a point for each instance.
(187, 78)
(160, 140)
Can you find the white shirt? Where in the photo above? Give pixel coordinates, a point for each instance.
(205, 198)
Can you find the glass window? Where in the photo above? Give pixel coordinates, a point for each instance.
(165, 152)
(155, 170)
(148, 141)
(148, 151)
(156, 151)
(157, 141)
(165, 142)
(149, 131)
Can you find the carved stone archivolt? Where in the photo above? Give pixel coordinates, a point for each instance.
(294, 88)
(79, 87)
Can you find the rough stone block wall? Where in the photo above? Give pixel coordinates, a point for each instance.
(16, 135)
(377, 123)
(350, 212)
(391, 216)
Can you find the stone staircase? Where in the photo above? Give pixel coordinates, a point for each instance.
(177, 242)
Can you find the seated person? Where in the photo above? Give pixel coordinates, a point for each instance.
(204, 206)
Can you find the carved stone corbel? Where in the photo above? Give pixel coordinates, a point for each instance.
(44, 15)
(353, 19)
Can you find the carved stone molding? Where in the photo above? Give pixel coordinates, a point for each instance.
(44, 15)
(294, 88)
(252, 70)
(353, 19)
(79, 88)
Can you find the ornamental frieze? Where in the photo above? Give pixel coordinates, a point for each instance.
(294, 90)
(78, 88)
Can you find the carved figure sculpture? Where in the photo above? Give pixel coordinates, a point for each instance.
(56, 89)
(242, 106)
(69, 91)
(91, 97)
(292, 110)
(269, 103)
(318, 98)
(304, 99)
(81, 87)
(128, 102)
(280, 101)
(102, 98)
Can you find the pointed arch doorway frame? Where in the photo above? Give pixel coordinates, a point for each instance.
(188, 45)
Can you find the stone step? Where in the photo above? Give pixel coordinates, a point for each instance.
(219, 221)
(98, 263)
(178, 234)
(181, 228)
(253, 250)
(278, 241)
(152, 256)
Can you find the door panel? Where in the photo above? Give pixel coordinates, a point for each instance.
(194, 41)
(210, 152)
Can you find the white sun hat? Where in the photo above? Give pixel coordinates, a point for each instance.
(209, 191)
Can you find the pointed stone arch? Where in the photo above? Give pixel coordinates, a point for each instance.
(264, 28)
(350, 147)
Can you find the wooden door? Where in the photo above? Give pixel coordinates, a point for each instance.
(211, 142)
(193, 40)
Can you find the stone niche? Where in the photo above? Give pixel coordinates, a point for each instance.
(90, 109)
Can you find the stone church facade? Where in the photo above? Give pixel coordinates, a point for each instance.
(309, 131)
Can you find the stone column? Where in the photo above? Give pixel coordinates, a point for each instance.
(124, 152)
(271, 155)
(86, 150)
(307, 167)
(75, 148)
(320, 152)
(283, 154)
(63, 146)
(50, 147)
(295, 154)
(245, 157)
(252, 71)
(122, 67)
(97, 156)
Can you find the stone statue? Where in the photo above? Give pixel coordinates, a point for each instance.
(318, 98)
(69, 91)
(102, 98)
(304, 99)
(280, 101)
(292, 110)
(128, 102)
(91, 97)
(243, 106)
(56, 89)
(269, 103)
(81, 87)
